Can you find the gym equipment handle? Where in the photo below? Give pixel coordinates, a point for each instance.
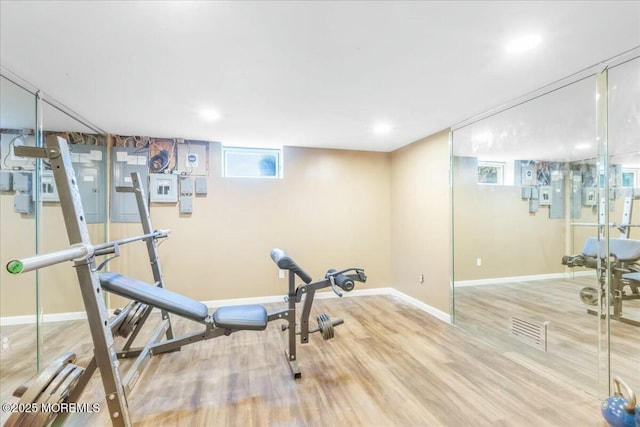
(341, 280)
(631, 401)
(284, 261)
(78, 251)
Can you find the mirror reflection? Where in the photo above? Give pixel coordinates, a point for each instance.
(528, 192)
(35, 306)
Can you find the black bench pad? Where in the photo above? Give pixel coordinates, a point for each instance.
(241, 317)
(155, 296)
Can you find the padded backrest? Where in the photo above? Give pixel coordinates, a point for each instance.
(155, 296)
(591, 247)
(285, 262)
(625, 250)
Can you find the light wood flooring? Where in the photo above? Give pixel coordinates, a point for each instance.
(572, 346)
(390, 364)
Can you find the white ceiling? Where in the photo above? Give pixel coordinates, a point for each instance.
(316, 74)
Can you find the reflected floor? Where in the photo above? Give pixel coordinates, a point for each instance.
(572, 337)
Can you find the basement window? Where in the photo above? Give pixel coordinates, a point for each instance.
(243, 162)
(491, 173)
(631, 178)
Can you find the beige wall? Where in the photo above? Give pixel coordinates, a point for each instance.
(331, 210)
(17, 240)
(57, 286)
(420, 218)
(493, 223)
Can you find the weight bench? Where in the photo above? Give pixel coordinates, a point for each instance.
(229, 319)
(234, 318)
(624, 258)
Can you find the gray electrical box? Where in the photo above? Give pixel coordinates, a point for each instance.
(201, 185)
(22, 181)
(535, 193)
(124, 161)
(534, 205)
(6, 181)
(186, 185)
(544, 196)
(590, 196)
(556, 208)
(163, 188)
(525, 193)
(22, 203)
(186, 205)
(48, 191)
(89, 164)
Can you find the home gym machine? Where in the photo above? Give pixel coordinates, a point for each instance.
(63, 381)
(621, 259)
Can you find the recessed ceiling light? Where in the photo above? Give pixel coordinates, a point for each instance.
(382, 128)
(209, 115)
(524, 43)
(583, 146)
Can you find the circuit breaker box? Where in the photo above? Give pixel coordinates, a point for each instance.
(124, 161)
(163, 188)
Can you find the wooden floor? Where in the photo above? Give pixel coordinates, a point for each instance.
(572, 346)
(390, 365)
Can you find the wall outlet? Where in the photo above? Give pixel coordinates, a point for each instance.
(421, 278)
(281, 274)
(478, 262)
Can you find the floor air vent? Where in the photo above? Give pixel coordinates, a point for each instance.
(530, 332)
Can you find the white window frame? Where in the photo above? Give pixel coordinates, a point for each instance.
(499, 166)
(636, 177)
(227, 156)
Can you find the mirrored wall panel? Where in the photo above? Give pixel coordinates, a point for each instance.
(18, 294)
(541, 190)
(525, 182)
(624, 214)
(41, 313)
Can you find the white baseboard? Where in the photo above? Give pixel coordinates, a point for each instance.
(79, 315)
(45, 318)
(516, 279)
(438, 314)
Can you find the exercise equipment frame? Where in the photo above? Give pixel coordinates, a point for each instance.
(129, 320)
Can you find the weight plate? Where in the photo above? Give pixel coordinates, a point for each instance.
(38, 385)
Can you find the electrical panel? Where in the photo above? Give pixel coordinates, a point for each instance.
(544, 196)
(201, 185)
(528, 175)
(6, 181)
(22, 181)
(186, 185)
(556, 208)
(186, 204)
(534, 205)
(124, 161)
(576, 194)
(193, 157)
(590, 196)
(89, 165)
(163, 188)
(48, 191)
(23, 204)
